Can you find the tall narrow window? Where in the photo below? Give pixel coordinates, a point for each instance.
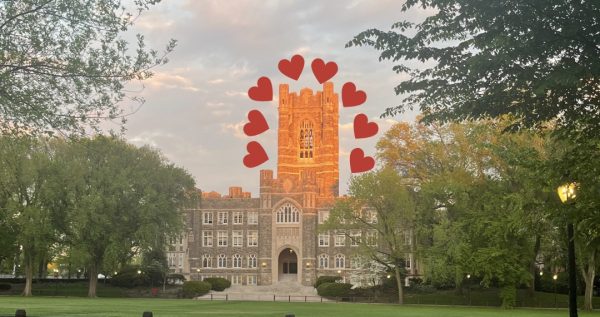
(221, 261)
(252, 262)
(237, 261)
(206, 261)
(306, 140)
(323, 261)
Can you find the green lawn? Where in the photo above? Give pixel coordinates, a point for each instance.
(121, 307)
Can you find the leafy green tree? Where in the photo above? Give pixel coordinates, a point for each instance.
(64, 63)
(26, 184)
(536, 60)
(381, 208)
(125, 200)
(482, 202)
(578, 160)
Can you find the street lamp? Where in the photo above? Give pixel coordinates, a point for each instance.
(567, 193)
(198, 274)
(555, 277)
(469, 287)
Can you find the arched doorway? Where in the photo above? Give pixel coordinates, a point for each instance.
(288, 265)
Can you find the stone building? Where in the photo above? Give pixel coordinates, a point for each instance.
(273, 237)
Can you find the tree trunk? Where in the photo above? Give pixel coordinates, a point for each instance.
(533, 267)
(93, 280)
(28, 274)
(589, 274)
(42, 268)
(399, 283)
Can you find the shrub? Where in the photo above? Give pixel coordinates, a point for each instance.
(334, 289)
(326, 279)
(219, 284)
(129, 277)
(5, 287)
(193, 289)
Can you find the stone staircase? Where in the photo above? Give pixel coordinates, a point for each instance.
(286, 290)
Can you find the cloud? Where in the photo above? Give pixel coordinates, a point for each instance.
(163, 80)
(235, 129)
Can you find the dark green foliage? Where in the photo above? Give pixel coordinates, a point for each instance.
(334, 289)
(5, 287)
(536, 59)
(129, 277)
(219, 284)
(193, 289)
(327, 279)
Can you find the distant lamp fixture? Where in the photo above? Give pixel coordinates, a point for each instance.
(567, 192)
(468, 275)
(198, 270)
(541, 273)
(116, 273)
(291, 251)
(78, 270)
(264, 264)
(389, 276)
(307, 264)
(339, 271)
(139, 272)
(555, 277)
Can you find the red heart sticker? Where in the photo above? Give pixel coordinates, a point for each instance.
(257, 123)
(256, 155)
(263, 91)
(323, 72)
(359, 162)
(363, 128)
(352, 97)
(292, 68)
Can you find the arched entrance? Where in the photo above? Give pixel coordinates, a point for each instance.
(288, 265)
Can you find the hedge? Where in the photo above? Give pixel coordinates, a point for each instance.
(193, 289)
(5, 287)
(334, 289)
(326, 279)
(219, 284)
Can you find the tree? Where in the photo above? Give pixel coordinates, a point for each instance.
(536, 60)
(64, 63)
(125, 200)
(482, 199)
(380, 207)
(27, 191)
(578, 160)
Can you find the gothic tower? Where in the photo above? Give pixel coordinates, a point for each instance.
(308, 142)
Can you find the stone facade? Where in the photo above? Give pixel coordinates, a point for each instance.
(274, 237)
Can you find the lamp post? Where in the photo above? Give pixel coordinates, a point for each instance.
(567, 194)
(197, 274)
(469, 287)
(554, 277)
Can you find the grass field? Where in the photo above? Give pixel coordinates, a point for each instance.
(122, 307)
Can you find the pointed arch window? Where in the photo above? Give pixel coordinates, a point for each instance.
(288, 213)
(306, 140)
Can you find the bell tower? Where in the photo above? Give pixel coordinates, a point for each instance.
(308, 141)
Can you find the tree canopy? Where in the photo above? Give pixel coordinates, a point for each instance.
(378, 216)
(536, 60)
(64, 63)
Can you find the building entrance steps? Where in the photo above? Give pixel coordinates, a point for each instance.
(282, 291)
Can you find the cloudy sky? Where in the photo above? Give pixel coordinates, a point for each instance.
(196, 105)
